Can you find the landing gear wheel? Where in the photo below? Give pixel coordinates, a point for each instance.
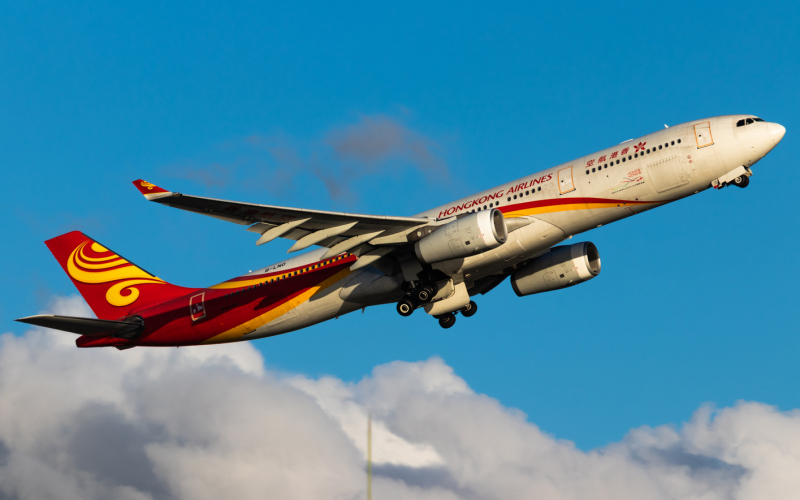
(471, 309)
(742, 181)
(426, 293)
(447, 320)
(405, 307)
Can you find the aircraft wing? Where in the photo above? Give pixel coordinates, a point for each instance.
(336, 230)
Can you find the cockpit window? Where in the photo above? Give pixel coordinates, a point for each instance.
(748, 121)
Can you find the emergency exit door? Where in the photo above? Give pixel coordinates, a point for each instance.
(702, 132)
(565, 182)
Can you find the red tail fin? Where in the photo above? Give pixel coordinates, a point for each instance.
(113, 286)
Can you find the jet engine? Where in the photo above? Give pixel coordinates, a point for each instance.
(561, 267)
(468, 235)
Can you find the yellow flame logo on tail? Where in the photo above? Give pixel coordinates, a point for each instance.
(105, 269)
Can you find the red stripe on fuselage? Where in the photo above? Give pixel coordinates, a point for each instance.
(170, 324)
(568, 201)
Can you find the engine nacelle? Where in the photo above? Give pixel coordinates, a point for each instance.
(465, 236)
(561, 267)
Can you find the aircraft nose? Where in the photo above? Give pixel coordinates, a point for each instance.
(776, 132)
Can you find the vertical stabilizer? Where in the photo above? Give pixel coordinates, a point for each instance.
(111, 285)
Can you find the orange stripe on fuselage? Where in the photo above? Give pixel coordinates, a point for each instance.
(566, 204)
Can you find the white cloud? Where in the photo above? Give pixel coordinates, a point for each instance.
(211, 422)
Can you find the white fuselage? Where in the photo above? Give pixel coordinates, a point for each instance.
(550, 206)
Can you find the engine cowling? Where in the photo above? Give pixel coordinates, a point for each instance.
(561, 267)
(468, 235)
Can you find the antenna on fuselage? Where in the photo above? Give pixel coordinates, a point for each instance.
(666, 126)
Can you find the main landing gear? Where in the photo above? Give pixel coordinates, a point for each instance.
(742, 181)
(406, 307)
(417, 294)
(470, 310)
(449, 319)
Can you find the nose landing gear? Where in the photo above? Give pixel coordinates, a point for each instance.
(740, 177)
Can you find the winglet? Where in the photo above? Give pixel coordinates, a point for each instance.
(150, 190)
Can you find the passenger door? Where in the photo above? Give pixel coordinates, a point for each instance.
(565, 181)
(702, 132)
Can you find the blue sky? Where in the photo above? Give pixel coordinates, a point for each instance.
(696, 302)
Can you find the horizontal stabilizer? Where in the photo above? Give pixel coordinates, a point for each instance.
(87, 326)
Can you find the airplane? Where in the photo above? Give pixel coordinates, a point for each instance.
(437, 261)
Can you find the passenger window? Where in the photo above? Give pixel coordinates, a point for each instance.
(592, 170)
(509, 198)
(527, 193)
(540, 188)
(648, 151)
(623, 159)
(679, 141)
(636, 155)
(659, 146)
(673, 143)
